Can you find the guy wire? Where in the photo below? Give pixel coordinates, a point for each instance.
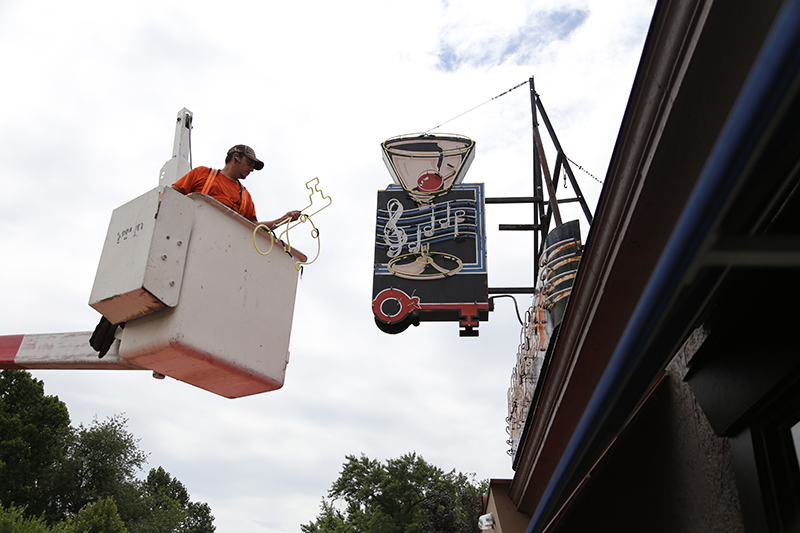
(477, 106)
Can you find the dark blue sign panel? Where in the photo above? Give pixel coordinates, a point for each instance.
(430, 259)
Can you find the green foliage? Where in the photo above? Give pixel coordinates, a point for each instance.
(199, 519)
(98, 517)
(166, 507)
(33, 431)
(164, 502)
(330, 520)
(404, 495)
(102, 460)
(13, 520)
(58, 479)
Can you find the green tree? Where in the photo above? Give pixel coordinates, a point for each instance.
(102, 460)
(329, 520)
(404, 495)
(34, 429)
(98, 517)
(199, 519)
(167, 507)
(13, 520)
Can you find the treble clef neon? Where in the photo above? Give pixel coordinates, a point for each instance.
(393, 235)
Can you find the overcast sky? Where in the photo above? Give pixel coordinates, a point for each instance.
(90, 95)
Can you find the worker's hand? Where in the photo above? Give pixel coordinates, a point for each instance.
(294, 215)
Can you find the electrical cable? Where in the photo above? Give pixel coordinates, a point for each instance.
(516, 307)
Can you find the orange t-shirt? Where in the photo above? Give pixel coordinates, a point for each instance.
(226, 191)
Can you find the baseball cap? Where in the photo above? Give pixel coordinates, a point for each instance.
(249, 152)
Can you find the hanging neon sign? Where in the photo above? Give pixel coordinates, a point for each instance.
(430, 256)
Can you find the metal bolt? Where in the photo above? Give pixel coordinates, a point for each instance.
(164, 257)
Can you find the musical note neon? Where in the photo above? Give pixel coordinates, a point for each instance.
(394, 236)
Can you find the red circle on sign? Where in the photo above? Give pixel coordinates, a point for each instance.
(429, 182)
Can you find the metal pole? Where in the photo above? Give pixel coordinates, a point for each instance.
(538, 193)
(537, 140)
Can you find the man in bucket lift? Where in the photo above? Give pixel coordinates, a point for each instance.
(225, 187)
